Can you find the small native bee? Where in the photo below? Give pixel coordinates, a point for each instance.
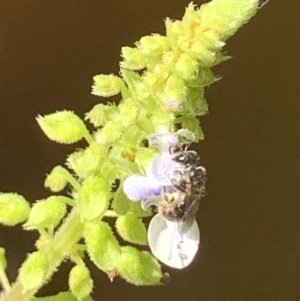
(180, 201)
(189, 175)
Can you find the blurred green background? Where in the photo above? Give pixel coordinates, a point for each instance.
(250, 218)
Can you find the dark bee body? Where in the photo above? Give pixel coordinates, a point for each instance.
(180, 201)
(189, 175)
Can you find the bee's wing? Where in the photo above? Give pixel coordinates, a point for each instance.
(190, 214)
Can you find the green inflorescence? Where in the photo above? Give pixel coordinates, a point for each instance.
(161, 88)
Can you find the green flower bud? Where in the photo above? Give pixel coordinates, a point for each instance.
(111, 132)
(187, 66)
(93, 198)
(133, 59)
(132, 229)
(206, 46)
(207, 58)
(153, 46)
(84, 162)
(222, 18)
(102, 246)
(57, 179)
(191, 123)
(163, 118)
(190, 16)
(132, 80)
(139, 268)
(174, 30)
(101, 114)
(133, 136)
(128, 111)
(33, 271)
(46, 213)
(116, 169)
(80, 281)
(143, 156)
(151, 80)
(106, 85)
(175, 93)
(196, 104)
(62, 127)
(204, 78)
(3, 262)
(14, 209)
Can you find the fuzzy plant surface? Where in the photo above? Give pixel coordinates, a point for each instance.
(125, 163)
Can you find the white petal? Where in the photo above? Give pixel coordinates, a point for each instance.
(169, 246)
(163, 141)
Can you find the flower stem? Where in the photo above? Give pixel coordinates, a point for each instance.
(4, 281)
(88, 137)
(71, 179)
(68, 235)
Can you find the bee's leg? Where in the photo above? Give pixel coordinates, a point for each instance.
(179, 184)
(168, 196)
(197, 177)
(173, 149)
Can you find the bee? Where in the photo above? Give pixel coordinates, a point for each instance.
(189, 175)
(180, 200)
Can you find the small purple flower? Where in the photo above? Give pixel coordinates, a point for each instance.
(138, 187)
(166, 241)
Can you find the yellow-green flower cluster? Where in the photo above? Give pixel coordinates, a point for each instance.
(164, 76)
(161, 86)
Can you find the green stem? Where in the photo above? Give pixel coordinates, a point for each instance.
(124, 91)
(4, 281)
(88, 137)
(68, 201)
(71, 179)
(44, 233)
(68, 235)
